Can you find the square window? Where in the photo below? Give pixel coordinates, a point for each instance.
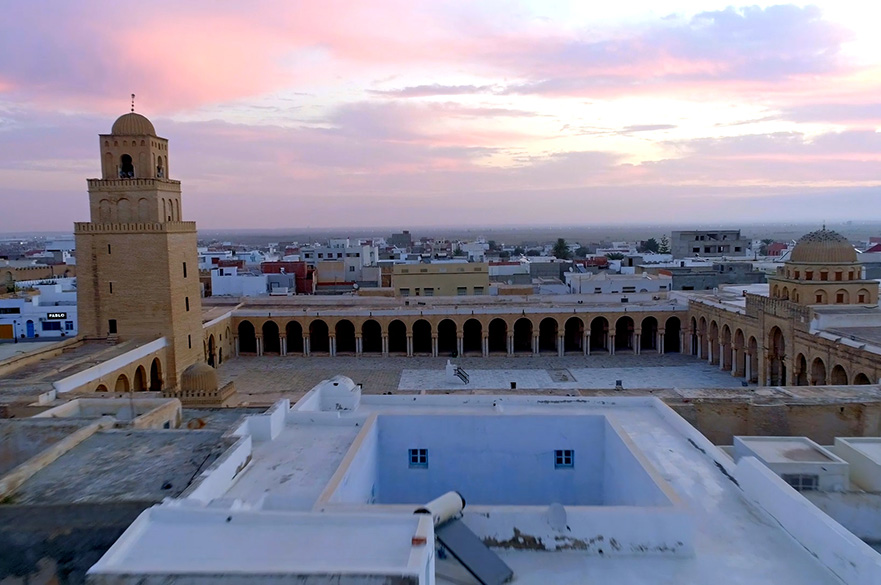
(461, 291)
(478, 290)
(68, 325)
(418, 458)
(802, 482)
(564, 459)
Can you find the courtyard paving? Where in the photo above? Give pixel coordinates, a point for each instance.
(262, 380)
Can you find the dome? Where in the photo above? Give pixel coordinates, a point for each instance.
(133, 124)
(200, 377)
(823, 247)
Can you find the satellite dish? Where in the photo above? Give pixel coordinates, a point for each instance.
(355, 286)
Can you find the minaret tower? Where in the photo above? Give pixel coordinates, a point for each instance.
(137, 263)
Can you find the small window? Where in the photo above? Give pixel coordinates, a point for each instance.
(824, 275)
(862, 298)
(478, 290)
(461, 291)
(68, 325)
(185, 269)
(839, 275)
(51, 325)
(351, 269)
(418, 458)
(187, 302)
(819, 298)
(111, 287)
(809, 275)
(405, 292)
(428, 291)
(108, 248)
(802, 482)
(190, 341)
(564, 459)
(839, 298)
(423, 270)
(111, 326)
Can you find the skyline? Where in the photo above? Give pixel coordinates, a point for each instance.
(287, 115)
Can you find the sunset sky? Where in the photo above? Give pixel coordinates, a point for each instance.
(407, 113)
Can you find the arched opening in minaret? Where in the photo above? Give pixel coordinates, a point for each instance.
(126, 167)
(160, 169)
(155, 376)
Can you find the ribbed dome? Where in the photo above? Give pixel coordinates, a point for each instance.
(133, 124)
(200, 377)
(823, 247)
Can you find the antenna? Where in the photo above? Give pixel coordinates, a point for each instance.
(133, 102)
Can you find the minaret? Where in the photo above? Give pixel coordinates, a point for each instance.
(137, 263)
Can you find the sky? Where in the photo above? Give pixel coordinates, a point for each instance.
(397, 113)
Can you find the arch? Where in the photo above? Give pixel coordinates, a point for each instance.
(271, 341)
(702, 336)
(121, 384)
(498, 336)
(446, 338)
(753, 356)
(123, 211)
(776, 355)
(776, 292)
(247, 337)
(101, 388)
(177, 210)
(861, 379)
(725, 349)
(713, 342)
(818, 372)
(523, 335)
(838, 377)
(785, 293)
(739, 353)
(211, 358)
(126, 167)
(573, 335)
(156, 375)
(672, 337)
(801, 371)
(648, 334)
(160, 168)
(104, 215)
(547, 335)
(319, 337)
(422, 337)
(345, 336)
(695, 341)
(29, 329)
(143, 210)
(624, 327)
(371, 337)
(820, 297)
(599, 334)
(140, 383)
(293, 333)
(472, 337)
(397, 337)
(842, 297)
(863, 297)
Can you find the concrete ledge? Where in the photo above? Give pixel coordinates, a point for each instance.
(23, 472)
(19, 361)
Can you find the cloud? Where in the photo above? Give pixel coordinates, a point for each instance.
(433, 90)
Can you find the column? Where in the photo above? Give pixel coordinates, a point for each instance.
(409, 345)
(510, 345)
(587, 342)
(332, 345)
(434, 350)
(661, 342)
(307, 346)
(611, 341)
(700, 347)
(709, 351)
(359, 345)
(283, 343)
(723, 350)
(561, 345)
(535, 345)
(748, 368)
(485, 346)
(637, 346)
(259, 344)
(385, 345)
(682, 338)
(237, 345)
(460, 345)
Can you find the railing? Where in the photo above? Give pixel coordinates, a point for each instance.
(86, 227)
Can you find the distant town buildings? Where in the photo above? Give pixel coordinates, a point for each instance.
(708, 243)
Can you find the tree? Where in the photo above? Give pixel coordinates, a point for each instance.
(492, 245)
(504, 254)
(664, 246)
(458, 252)
(582, 252)
(561, 249)
(763, 250)
(650, 245)
(533, 252)
(519, 251)
(615, 256)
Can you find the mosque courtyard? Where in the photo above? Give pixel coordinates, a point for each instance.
(265, 379)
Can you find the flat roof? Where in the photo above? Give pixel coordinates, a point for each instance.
(175, 540)
(786, 450)
(124, 465)
(868, 446)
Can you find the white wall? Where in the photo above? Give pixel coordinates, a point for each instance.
(491, 460)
